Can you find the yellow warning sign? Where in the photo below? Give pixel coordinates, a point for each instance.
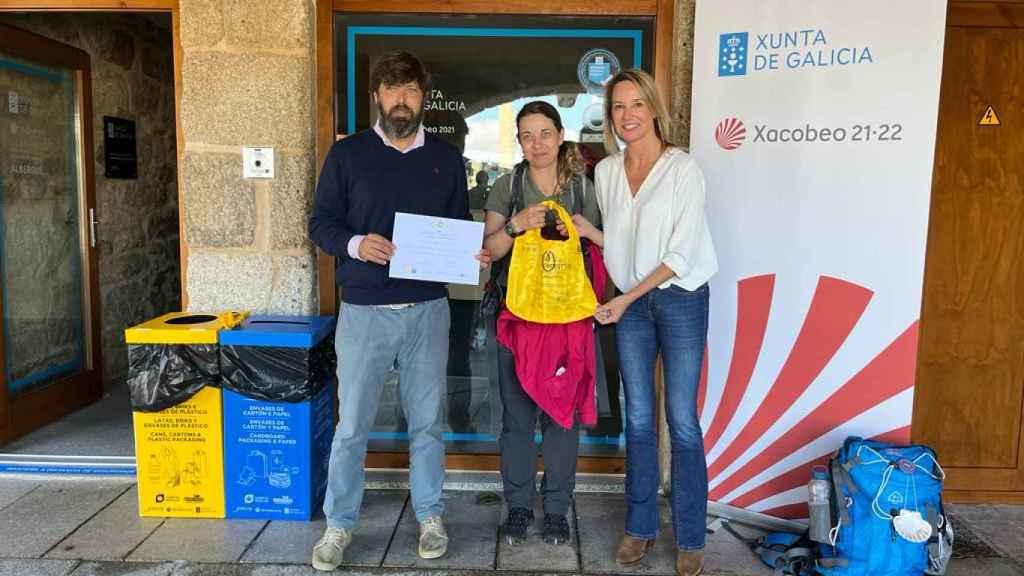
(990, 118)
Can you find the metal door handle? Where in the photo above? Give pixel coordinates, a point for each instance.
(93, 221)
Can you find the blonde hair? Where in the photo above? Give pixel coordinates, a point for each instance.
(651, 98)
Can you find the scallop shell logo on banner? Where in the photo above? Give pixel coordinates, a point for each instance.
(730, 133)
(763, 460)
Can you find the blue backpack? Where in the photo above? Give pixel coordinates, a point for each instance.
(785, 552)
(871, 483)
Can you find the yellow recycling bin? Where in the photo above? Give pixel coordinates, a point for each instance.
(179, 449)
(183, 328)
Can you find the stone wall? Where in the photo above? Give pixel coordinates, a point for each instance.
(133, 78)
(247, 79)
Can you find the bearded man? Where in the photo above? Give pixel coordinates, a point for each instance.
(385, 322)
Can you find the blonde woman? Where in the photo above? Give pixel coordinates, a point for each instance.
(659, 254)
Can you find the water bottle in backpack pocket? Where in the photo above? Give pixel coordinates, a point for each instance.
(818, 498)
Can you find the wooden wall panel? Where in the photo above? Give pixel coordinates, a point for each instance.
(91, 5)
(1007, 14)
(970, 386)
(327, 295)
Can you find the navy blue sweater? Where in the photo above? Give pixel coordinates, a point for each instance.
(362, 184)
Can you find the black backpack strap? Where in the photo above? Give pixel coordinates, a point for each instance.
(494, 296)
(516, 184)
(576, 198)
(518, 181)
(579, 200)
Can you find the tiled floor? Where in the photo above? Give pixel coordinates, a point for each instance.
(91, 527)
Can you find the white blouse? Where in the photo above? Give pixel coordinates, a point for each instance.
(664, 223)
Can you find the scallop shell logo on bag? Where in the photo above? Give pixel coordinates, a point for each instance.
(548, 261)
(730, 133)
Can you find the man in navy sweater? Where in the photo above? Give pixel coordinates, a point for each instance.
(384, 322)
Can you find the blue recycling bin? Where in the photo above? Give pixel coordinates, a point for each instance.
(278, 374)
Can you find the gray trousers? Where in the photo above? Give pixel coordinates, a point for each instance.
(369, 341)
(519, 451)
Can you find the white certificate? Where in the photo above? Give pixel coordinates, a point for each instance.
(436, 249)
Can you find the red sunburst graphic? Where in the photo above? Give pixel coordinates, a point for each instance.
(730, 133)
(834, 311)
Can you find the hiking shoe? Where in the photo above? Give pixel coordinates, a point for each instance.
(516, 523)
(433, 538)
(329, 550)
(556, 529)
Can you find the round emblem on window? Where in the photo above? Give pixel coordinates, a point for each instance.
(595, 69)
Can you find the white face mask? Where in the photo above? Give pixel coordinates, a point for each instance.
(911, 526)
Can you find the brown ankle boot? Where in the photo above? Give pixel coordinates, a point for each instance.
(631, 550)
(689, 562)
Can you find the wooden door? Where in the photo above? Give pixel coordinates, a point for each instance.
(970, 384)
(49, 303)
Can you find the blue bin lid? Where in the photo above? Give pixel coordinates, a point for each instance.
(280, 331)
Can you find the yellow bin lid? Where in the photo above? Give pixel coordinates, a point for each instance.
(183, 328)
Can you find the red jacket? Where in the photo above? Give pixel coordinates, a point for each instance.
(556, 363)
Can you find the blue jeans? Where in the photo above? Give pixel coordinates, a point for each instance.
(370, 341)
(673, 321)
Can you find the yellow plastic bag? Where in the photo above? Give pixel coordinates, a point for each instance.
(547, 281)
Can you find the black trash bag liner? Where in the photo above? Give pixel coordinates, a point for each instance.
(164, 375)
(277, 374)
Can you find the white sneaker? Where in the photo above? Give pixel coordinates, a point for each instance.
(329, 550)
(433, 538)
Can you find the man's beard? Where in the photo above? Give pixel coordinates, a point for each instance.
(399, 128)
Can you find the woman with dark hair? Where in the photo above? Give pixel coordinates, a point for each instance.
(552, 170)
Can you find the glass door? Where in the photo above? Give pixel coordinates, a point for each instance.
(49, 354)
(484, 69)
